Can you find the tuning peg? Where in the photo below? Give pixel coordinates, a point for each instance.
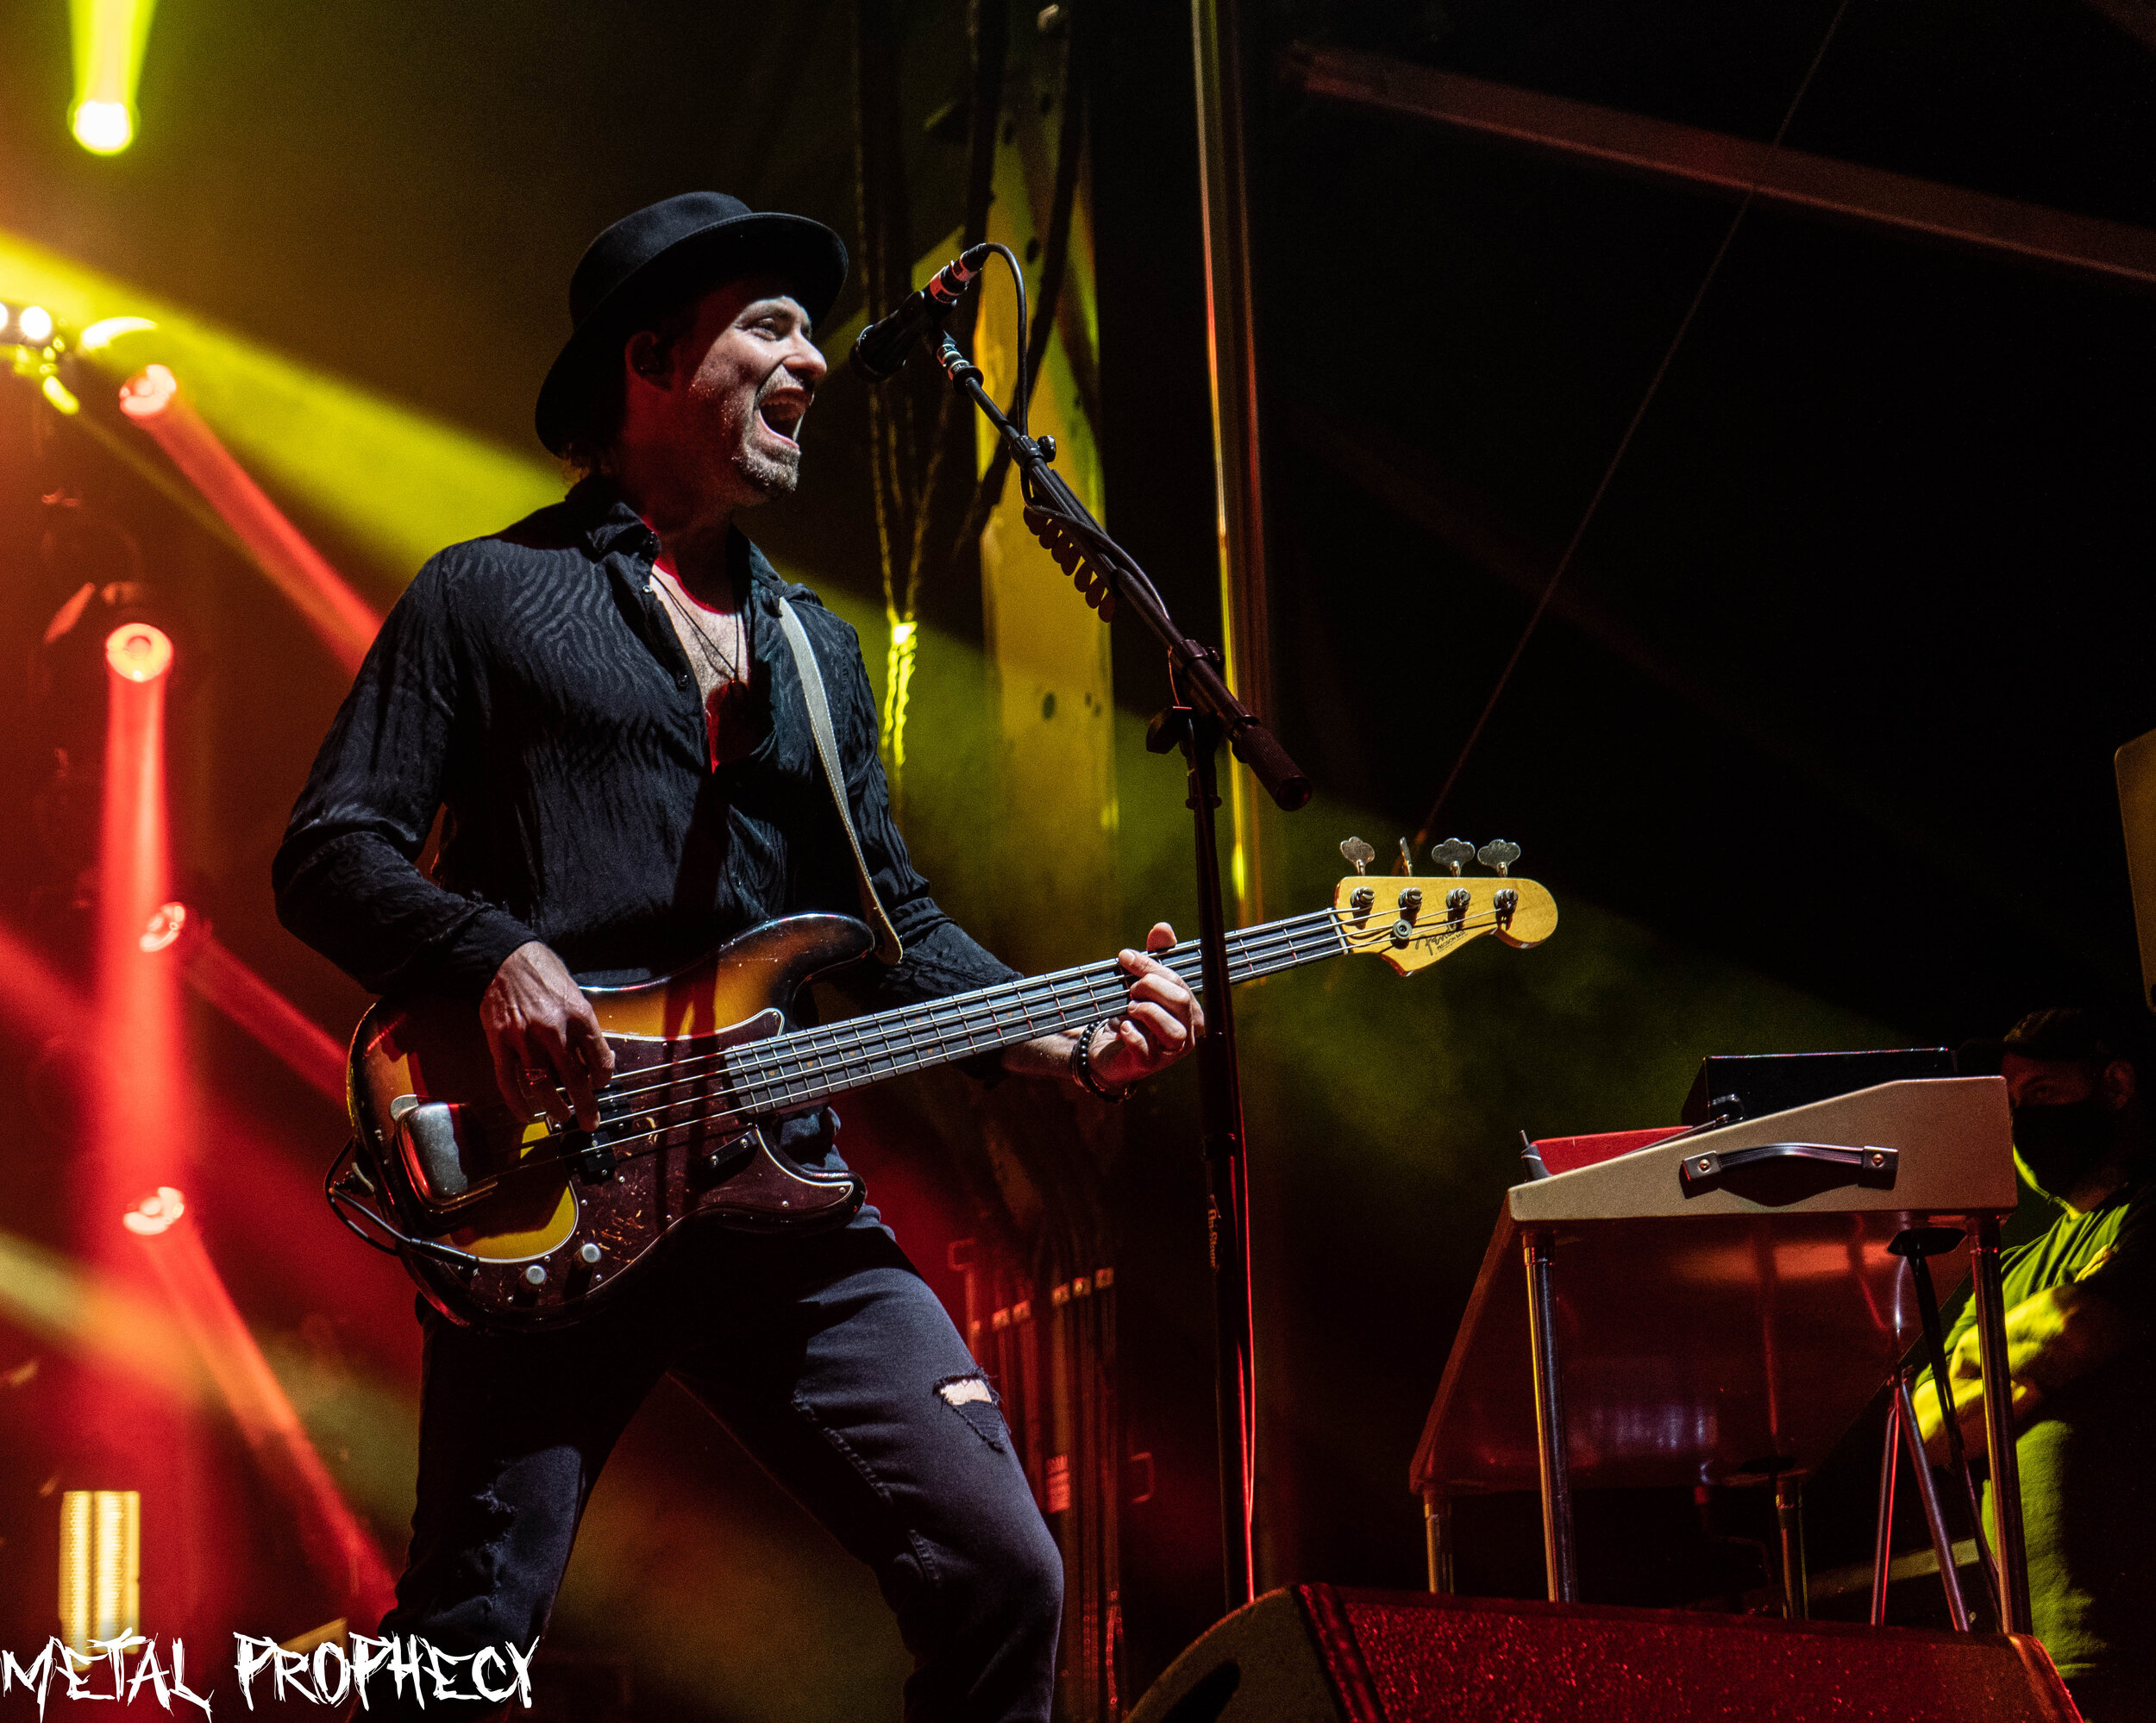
(1497, 855)
(1407, 863)
(1452, 854)
(1358, 855)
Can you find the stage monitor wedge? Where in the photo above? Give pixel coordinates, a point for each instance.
(1313, 1654)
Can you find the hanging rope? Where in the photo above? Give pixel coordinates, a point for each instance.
(1054, 259)
(1624, 442)
(885, 273)
(989, 31)
(907, 490)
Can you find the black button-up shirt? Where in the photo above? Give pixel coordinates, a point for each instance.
(531, 686)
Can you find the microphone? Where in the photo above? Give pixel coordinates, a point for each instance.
(882, 346)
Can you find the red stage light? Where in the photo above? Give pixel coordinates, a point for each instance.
(224, 982)
(346, 622)
(250, 1165)
(143, 1126)
(149, 393)
(157, 1213)
(257, 1007)
(166, 927)
(334, 1541)
(139, 651)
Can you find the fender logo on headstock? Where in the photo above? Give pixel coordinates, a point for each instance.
(1413, 922)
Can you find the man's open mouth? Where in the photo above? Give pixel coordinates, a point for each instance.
(782, 416)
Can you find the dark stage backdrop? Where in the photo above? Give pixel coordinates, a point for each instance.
(1815, 753)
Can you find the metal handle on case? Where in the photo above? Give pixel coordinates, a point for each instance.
(1867, 1163)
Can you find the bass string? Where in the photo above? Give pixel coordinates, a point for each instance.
(761, 1068)
(1104, 988)
(1059, 999)
(954, 1023)
(742, 1112)
(1279, 941)
(762, 1065)
(898, 1057)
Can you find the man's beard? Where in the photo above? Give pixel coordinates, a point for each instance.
(773, 474)
(770, 472)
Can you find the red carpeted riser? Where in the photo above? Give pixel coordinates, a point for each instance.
(1314, 1654)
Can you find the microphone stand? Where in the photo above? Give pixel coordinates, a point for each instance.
(1203, 713)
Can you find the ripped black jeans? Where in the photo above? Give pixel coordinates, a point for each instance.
(832, 1363)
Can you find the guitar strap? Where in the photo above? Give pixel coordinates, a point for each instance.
(888, 950)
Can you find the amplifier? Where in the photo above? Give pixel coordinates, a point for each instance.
(1313, 1654)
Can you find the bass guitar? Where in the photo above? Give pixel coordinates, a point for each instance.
(517, 1223)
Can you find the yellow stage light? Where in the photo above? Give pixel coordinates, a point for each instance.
(100, 1566)
(102, 334)
(395, 485)
(110, 37)
(59, 395)
(103, 127)
(71, 1306)
(35, 324)
(898, 687)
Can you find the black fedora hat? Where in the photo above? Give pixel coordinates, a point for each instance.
(698, 238)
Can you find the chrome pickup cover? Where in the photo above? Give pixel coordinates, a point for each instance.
(427, 1139)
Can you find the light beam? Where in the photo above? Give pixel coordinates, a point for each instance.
(139, 1122)
(331, 1534)
(140, 1115)
(93, 1316)
(226, 983)
(110, 37)
(37, 1002)
(396, 484)
(344, 622)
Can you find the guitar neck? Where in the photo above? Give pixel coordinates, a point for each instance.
(792, 1072)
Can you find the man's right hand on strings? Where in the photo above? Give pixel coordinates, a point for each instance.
(545, 1039)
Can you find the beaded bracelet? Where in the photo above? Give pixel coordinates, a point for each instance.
(1081, 1066)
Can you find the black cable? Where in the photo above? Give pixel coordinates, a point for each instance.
(343, 1205)
(1021, 387)
(1055, 256)
(987, 27)
(1624, 443)
(336, 1196)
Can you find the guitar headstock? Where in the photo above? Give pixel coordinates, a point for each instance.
(1413, 921)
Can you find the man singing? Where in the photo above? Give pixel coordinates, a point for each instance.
(602, 703)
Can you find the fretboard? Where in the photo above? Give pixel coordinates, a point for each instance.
(790, 1072)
